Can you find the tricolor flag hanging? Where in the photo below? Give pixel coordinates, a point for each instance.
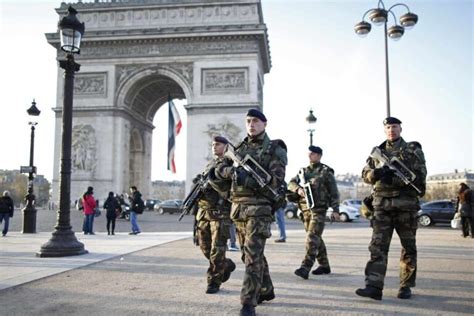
(174, 127)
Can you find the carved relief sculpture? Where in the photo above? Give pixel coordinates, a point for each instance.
(84, 150)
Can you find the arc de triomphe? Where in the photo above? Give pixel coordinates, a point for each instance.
(213, 53)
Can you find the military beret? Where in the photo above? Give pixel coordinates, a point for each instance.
(391, 120)
(315, 149)
(256, 113)
(220, 139)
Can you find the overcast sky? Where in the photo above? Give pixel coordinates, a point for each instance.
(318, 62)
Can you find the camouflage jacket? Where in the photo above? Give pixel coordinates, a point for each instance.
(271, 155)
(215, 200)
(412, 156)
(323, 186)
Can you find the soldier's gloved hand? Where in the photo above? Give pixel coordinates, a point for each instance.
(387, 177)
(243, 178)
(383, 173)
(212, 174)
(335, 214)
(197, 178)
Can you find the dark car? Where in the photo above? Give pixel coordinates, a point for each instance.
(441, 211)
(291, 210)
(169, 206)
(150, 204)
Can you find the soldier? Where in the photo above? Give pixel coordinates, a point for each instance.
(395, 206)
(253, 206)
(323, 194)
(214, 222)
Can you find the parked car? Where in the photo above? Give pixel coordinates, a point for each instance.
(439, 211)
(169, 206)
(291, 210)
(352, 202)
(346, 213)
(150, 204)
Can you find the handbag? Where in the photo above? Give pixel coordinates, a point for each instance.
(97, 212)
(456, 223)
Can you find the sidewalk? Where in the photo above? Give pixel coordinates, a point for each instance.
(170, 278)
(20, 264)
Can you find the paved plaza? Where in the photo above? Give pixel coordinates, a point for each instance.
(163, 273)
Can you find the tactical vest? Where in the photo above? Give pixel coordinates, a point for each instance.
(406, 153)
(263, 155)
(318, 179)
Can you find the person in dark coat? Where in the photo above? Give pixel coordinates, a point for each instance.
(112, 206)
(464, 207)
(6, 211)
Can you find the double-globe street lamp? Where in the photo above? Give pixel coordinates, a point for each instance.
(29, 212)
(380, 16)
(311, 119)
(63, 241)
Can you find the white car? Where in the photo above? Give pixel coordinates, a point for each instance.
(346, 213)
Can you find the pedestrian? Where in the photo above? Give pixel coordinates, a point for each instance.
(6, 211)
(112, 207)
(232, 239)
(317, 191)
(213, 220)
(89, 205)
(464, 206)
(395, 204)
(253, 206)
(280, 219)
(136, 207)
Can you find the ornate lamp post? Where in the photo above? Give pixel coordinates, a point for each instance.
(29, 212)
(311, 119)
(379, 16)
(64, 242)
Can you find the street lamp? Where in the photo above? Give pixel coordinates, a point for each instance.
(379, 16)
(311, 119)
(63, 241)
(29, 212)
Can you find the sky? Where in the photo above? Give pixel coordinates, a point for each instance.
(318, 62)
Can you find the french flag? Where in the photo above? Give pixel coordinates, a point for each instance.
(174, 127)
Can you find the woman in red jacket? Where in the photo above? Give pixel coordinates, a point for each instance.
(89, 204)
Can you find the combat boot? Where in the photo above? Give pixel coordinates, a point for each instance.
(247, 310)
(370, 291)
(321, 270)
(302, 272)
(212, 288)
(229, 268)
(404, 293)
(266, 297)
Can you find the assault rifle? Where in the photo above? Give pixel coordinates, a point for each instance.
(254, 169)
(395, 164)
(308, 193)
(193, 196)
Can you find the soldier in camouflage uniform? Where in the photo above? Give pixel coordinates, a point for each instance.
(395, 206)
(325, 194)
(253, 207)
(214, 222)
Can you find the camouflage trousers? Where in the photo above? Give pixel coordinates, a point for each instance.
(383, 224)
(212, 236)
(315, 248)
(253, 233)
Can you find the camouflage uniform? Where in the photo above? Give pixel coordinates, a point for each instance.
(325, 194)
(252, 212)
(213, 225)
(395, 207)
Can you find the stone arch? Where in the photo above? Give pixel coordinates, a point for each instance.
(213, 53)
(135, 83)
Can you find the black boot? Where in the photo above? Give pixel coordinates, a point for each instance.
(302, 272)
(229, 268)
(212, 288)
(370, 291)
(404, 293)
(266, 297)
(321, 270)
(247, 310)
